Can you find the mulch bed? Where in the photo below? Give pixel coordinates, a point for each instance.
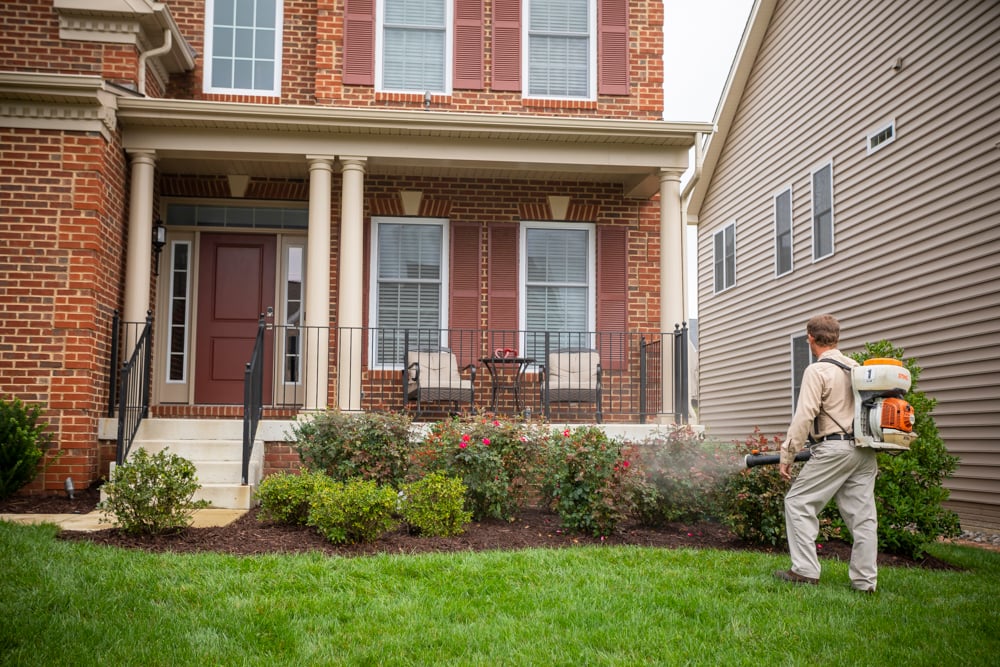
(532, 528)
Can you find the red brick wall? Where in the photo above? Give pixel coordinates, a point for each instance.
(31, 43)
(60, 279)
(312, 65)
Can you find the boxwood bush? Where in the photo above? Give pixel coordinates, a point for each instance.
(22, 444)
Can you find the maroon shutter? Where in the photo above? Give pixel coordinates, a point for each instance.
(469, 44)
(465, 296)
(506, 45)
(501, 318)
(612, 295)
(359, 42)
(612, 47)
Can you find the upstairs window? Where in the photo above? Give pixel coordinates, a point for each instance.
(783, 232)
(243, 43)
(415, 43)
(822, 211)
(561, 48)
(724, 257)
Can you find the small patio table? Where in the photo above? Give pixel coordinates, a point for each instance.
(507, 374)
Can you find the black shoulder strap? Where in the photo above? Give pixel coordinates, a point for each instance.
(847, 369)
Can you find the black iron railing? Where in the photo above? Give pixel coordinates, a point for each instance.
(253, 398)
(133, 384)
(585, 376)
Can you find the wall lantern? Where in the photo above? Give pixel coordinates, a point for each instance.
(159, 240)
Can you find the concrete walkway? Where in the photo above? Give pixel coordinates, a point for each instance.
(92, 521)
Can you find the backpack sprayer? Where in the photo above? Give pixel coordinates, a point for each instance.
(883, 420)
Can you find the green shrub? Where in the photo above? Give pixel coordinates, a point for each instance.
(753, 500)
(589, 480)
(22, 442)
(285, 497)
(370, 445)
(909, 490)
(495, 459)
(358, 510)
(152, 494)
(433, 505)
(684, 474)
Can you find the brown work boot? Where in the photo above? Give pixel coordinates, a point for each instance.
(788, 575)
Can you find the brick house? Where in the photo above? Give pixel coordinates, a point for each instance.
(496, 172)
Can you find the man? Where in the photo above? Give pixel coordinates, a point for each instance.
(837, 469)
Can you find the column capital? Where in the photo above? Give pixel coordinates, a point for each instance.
(141, 155)
(321, 161)
(353, 163)
(671, 175)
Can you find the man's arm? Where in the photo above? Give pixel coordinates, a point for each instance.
(810, 401)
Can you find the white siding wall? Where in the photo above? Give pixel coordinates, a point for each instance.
(916, 224)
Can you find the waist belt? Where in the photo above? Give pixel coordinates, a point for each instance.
(837, 436)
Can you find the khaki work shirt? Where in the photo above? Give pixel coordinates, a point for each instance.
(824, 386)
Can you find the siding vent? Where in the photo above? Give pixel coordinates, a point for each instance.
(882, 136)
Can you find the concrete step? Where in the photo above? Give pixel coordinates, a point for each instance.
(190, 429)
(195, 450)
(215, 447)
(227, 496)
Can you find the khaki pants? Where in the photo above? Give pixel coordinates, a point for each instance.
(842, 471)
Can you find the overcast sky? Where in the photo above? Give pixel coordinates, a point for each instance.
(701, 37)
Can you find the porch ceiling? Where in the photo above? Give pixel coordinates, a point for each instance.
(273, 141)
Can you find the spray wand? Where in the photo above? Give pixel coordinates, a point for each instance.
(755, 458)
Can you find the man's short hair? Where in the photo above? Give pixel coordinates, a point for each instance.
(825, 330)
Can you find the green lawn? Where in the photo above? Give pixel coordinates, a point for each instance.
(72, 603)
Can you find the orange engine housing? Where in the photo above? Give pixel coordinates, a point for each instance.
(897, 414)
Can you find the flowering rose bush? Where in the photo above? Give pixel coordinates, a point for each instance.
(494, 458)
(589, 480)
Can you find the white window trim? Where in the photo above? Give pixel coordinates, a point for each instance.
(449, 57)
(522, 278)
(186, 345)
(791, 230)
(882, 127)
(207, 86)
(791, 354)
(812, 212)
(373, 281)
(286, 244)
(722, 231)
(591, 56)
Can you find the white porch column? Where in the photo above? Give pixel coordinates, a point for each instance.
(139, 252)
(671, 272)
(349, 285)
(317, 296)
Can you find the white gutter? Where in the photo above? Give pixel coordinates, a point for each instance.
(158, 51)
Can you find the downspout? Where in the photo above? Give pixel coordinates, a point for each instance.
(143, 57)
(699, 160)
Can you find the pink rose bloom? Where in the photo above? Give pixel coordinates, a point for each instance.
(486, 441)
(463, 445)
(465, 438)
(566, 433)
(496, 423)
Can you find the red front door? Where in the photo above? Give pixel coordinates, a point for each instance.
(236, 285)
